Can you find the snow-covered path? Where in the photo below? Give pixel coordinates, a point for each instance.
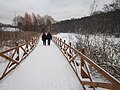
(44, 69)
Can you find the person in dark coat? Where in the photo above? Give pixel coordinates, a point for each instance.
(44, 38)
(49, 38)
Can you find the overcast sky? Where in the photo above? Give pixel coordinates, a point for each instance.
(58, 9)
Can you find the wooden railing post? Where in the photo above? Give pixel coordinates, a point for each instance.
(17, 49)
(82, 61)
(83, 73)
(64, 48)
(60, 43)
(70, 51)
(32, 42)
(64, 44)
(27, 46)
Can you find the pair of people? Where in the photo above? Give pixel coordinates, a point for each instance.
(47, 37)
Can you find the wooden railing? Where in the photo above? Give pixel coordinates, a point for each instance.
(82, 65)
(16, 55)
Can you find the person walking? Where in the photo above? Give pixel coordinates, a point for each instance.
(44, 38)
(49, 38)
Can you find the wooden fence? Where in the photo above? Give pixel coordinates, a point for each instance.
(82, 66)
(16, 55)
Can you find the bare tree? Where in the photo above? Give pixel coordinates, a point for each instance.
(28, 22)
(103, 51)
(93, 6)
(112, 7)
(19, 22)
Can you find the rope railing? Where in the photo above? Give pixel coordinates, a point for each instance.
(16, 55)
(82, 65)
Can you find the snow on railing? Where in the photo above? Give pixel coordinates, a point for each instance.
(14, 56)
(81, 65)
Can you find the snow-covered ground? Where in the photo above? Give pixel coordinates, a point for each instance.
(9, 29)
(44, 69)
(69, 37)
(109, 44)
(72, 37)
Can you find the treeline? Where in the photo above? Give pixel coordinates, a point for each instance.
(10, 39)
(108, 22)
(32, 22)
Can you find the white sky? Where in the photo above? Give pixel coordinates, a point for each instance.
(58, 9)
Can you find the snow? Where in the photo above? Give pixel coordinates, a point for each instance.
(72, 37)
(69, 37)
(44, 69)
(9, 29)
(96, 42)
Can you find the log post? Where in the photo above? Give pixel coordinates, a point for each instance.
(60, 43)
(64, 47)
(83, 73)
(27, 45)
(57, 41)
(17, 50)
(70, 51)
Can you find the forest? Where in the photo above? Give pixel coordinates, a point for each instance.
(108, 23)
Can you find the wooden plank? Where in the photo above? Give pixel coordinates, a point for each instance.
(8, 58)
(73, 58)
(24, 50)
(84, 74)
(11, 49)
(8, 72)
(99, 84)
(6, 69)
(69, 54)
(65, 50)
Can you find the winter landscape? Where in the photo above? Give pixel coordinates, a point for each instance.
(60, 45)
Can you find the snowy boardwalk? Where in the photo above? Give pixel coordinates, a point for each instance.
(44, 69)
